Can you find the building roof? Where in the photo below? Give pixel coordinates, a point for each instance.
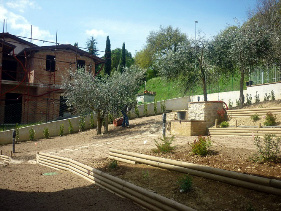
(16, 38)
(64, 47)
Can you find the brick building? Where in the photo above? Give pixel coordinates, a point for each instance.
(31, 78)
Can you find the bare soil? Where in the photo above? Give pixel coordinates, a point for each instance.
(24, 187)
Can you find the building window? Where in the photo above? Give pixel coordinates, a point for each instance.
(50, 63)
(80, 64)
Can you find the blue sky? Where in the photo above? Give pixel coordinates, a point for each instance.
(128, 21)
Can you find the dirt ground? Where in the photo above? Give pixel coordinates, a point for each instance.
(23, 185)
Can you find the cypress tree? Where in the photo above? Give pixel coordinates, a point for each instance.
(123, 58)
(107, 57)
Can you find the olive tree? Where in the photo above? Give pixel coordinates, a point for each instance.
(86, 93)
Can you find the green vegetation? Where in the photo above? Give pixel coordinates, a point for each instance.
(201, 145)
(113, 164)
(70, 127)
(82, 123)
(61, 130)
(164, 145)
(255, 117)
(224, 124)
(185, 184)
(31, 134)
(270, 119)
(268, 148)
(145, 112)
(46, 133)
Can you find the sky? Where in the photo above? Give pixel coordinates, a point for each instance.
(124, 21)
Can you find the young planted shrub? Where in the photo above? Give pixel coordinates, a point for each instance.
(163, 106)
(31, 134)
(17, 132)
(145, 112)
(82, 123)
(61, 130)
(155, 107)
(201, 145)
(70, 128)
(270, 119)
(164, 144)
(137, 111)
(255, 117)
(268, 148)
(224, 124)
(46, 133)
(185, 184)
(113, 164)
(222, 115)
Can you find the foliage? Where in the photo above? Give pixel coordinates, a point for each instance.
(268, 148)
(266, 97)
(113, 164)
(31, 134)
(163, 106)
(270, 119)
(61, 130)
(257, 97)
(82, 123)
(70, 127)
(272, 95)
(185, 184)
(155, 106)
(107, 57)
(110, 94)
(116, 57)
(201, 145)
(145, 112)
(92, 122)
(248, 99)
(143, 58)
(255, 117)
(224, 124)
(137, 111)
(222, 115)
(230, 104)
(164, 144)
(46, 133)
(92, 46)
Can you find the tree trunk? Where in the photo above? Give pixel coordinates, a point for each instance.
(242, 87)
(99, 123)
(105, 123)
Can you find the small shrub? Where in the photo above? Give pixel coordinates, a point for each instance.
(92, 122)
(238, 103)
(145, 112)
(230, 104)
(257, 97)
(70, 128)
(266, 97)
(61, 130)
(224, 124)
(270, 119)
(255, 117)
(82, 123)
(46, 133)
(272, 95)
(113, 164)
(268, 148)
(248, 99)
(163, 106)
(185, 184)
(31, 134)
(201, 145)
(222, 115)
(137, 112)
(155, 107)
(164, 145)
(145, 175)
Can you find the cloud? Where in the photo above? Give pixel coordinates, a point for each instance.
(22, 5)
(19, 25)
(96, 33)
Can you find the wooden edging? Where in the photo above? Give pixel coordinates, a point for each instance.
(272, 186)
(140, 195)
(6, 159)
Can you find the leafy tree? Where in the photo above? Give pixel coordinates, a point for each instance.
(91, 46)
(106, 95)
(76, 45)
(107, 57)
(116, 57)
(122, 63)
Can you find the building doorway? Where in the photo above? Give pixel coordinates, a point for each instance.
(13, 108)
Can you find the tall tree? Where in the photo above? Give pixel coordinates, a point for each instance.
(107, 57)
(122, 63)
(76, 44)
(116, 57)
(92, 46)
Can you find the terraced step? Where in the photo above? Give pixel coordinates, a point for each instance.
(244, 131)
(249, 112)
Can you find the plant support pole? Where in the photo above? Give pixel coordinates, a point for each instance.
(164, 124)
(14, 141)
